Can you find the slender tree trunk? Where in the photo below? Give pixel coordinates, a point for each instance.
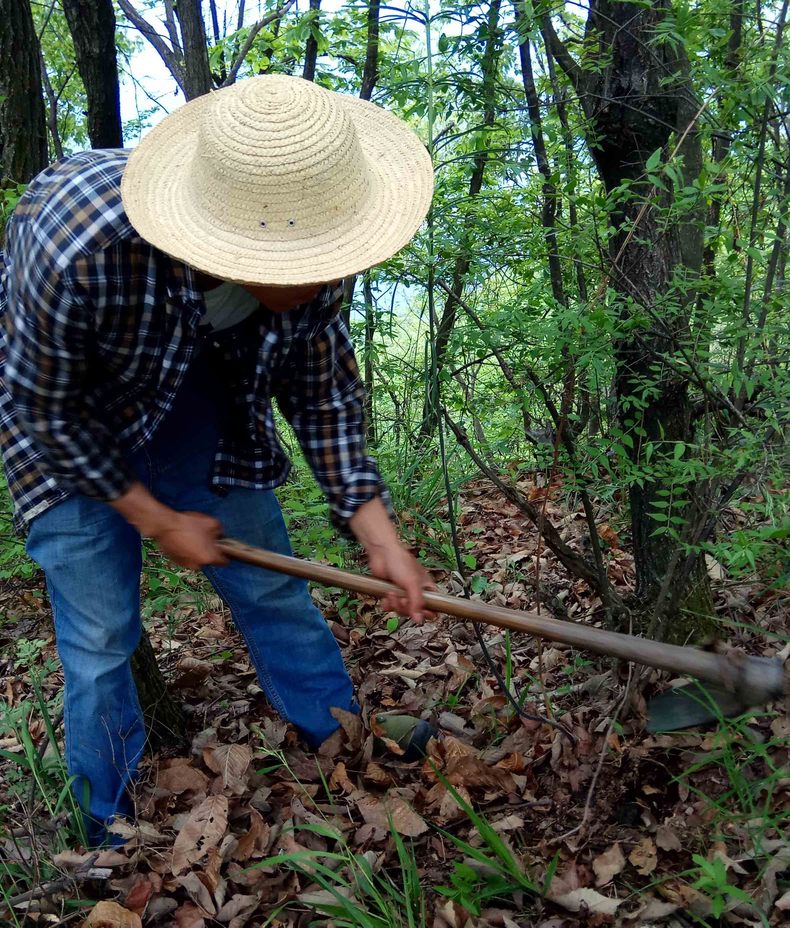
(197, 74)
(311, 46)
(52, 111)
(92, 27)
(549, 193)
(370, 74)
(223, 67)
(490, 71)
(370, 331)
(23, 130)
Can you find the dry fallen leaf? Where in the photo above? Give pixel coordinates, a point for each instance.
(686, 897)
(182, 777)
(191, 671)
(198, 892)
(231, 762)
(653, 911)
(236, 908)
(141, 891)
(609, 535)
(376, 774)
(404, 819)
(608, 864)
(256, 839)
(351, 725)
(189, 916)
(587, 899)
(471, 772)
(667, 839)
(644, 856)
(340, 780)
(203, 829)
(783, 903)
(111, 915)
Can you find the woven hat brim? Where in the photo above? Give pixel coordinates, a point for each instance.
(162, 210)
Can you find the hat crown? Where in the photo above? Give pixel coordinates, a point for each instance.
(273, 153)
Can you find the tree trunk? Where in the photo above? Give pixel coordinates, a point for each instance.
(92, 27)
(370, 331)
(490, 70)
(197, 74)
(636, 99)
(311, 45)
(23, 128)
(164, 718)
(370, 74)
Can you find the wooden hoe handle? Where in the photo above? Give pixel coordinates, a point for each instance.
(755, 679)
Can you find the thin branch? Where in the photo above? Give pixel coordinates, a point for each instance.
(252, 35)
(561, 54)
(52, 109)
(171, 58)
(577, 565)
(172, 28)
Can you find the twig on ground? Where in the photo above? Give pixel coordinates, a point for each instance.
(594, 782)
(87, 872)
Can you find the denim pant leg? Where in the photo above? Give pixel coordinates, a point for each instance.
(92, 560)
(295, 655)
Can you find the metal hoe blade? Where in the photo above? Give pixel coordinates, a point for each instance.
(691, 705)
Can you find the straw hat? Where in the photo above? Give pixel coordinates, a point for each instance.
(275, 180)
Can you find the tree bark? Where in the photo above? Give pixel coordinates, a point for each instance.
(463, 261)
(370, 72)
(92, 27)
(197, 74)
(23, 128)
(370, 331)
(370, 75)
(636, 98)
(311, 45)
(165, 721)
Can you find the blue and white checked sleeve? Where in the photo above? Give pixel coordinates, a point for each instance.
(48, 328)
(323, 399)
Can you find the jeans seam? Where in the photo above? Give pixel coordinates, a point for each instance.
(252, 645)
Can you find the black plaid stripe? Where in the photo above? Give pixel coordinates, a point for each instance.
(97, 329)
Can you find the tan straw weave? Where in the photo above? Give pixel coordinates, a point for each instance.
(277, 181)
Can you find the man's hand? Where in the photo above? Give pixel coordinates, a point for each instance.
(390, 560)
(398, 565)
(188, 538)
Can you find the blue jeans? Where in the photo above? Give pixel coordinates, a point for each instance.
(92, 560)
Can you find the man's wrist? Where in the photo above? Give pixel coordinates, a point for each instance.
(372, 526)
(142, 510)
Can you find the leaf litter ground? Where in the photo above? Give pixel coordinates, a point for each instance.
(614, 825)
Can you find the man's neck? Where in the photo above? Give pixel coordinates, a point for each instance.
(276, 299)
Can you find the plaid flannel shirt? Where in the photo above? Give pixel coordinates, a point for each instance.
(97, 329)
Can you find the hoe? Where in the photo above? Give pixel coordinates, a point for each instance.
(735, 681)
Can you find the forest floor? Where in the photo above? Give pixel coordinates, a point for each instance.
(508, 823)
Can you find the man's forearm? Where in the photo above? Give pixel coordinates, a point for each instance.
(188, 538)
(143, 510)
(372, 525)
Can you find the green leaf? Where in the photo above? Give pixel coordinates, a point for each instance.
(653, 161)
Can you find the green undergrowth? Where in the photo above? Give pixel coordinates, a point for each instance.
(354, 893)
